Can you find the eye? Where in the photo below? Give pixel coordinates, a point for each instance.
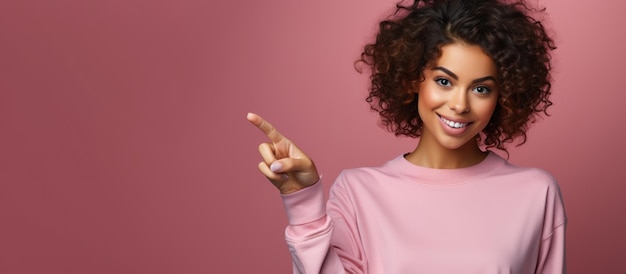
(443, 82)
(482, 90)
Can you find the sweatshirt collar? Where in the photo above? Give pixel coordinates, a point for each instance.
(435, 176)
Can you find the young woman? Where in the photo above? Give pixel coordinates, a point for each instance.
(463, 76)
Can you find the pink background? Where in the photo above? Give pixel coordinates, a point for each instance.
(124, 146)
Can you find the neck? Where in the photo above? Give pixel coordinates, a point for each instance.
(431, 155)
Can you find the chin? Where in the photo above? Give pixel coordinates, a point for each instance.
(456, 144)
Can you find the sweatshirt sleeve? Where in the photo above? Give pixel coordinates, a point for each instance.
(552, 247)
(552, 253)
(322, 237)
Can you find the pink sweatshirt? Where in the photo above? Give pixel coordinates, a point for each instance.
(401, 218)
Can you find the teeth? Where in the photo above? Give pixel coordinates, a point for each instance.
(453, 124)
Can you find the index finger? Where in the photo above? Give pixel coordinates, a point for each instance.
(266, 127)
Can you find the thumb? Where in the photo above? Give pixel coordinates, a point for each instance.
(292, 165)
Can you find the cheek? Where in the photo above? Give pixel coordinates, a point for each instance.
(488, 109)
(424, 103)
(428, 97)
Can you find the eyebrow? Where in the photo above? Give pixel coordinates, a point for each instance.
(479, 80)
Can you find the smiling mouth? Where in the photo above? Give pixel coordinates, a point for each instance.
(453, 124)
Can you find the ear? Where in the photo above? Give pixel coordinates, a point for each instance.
(412, 90)
(415, 87)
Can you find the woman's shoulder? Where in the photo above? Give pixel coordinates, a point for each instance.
(363, 173)
(359, 175)
(528, 175)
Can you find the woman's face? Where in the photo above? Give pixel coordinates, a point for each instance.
(458, 96)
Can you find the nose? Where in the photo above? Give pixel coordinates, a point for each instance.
(458, 101)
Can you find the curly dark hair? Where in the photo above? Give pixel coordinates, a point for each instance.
(412, 39)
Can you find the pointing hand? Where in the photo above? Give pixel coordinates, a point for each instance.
(284, 164)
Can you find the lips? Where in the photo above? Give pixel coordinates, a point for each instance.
(454, 124)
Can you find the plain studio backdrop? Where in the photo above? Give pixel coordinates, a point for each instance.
(124, 146)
